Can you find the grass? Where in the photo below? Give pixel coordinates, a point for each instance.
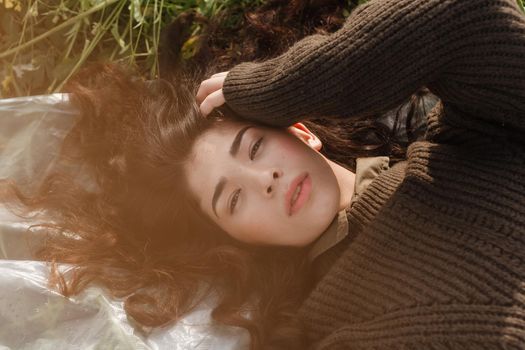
(44, 43)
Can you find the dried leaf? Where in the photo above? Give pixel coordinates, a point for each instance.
(12, 4)
(189, 48)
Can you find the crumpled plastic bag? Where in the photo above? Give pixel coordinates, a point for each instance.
(32, 316)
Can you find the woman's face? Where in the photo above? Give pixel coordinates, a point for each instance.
(263, 185)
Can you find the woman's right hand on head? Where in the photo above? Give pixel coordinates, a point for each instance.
(209, 95)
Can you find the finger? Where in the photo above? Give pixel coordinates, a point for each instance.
(213, 100)
(221, 74)
(208, 86)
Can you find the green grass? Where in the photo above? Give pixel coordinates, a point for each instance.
(45, 42)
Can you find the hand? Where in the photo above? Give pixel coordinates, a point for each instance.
(209, 95)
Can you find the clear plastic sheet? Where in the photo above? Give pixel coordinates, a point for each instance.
(31, 315)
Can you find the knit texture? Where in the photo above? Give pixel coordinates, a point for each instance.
(436, 258)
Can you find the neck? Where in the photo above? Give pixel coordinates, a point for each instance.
(346, 181)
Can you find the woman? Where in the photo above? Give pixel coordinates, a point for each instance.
(138, 231)
(436, 253)
(425, 253)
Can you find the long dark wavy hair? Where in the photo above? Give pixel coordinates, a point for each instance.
(138, 233)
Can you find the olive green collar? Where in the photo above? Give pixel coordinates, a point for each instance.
(367, 169)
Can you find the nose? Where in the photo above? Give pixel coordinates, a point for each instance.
(263, 181)
(272, 176)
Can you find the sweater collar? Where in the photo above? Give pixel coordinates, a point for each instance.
(366, 207)
(367, 170)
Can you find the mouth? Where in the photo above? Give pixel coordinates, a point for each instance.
(298, 193)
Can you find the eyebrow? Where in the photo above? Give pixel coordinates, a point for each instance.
(234, 149)
(237, 140)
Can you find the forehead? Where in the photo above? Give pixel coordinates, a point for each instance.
(209, 157)
(216, 139)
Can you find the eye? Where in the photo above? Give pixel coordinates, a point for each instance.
(255, 147)
(234, 200)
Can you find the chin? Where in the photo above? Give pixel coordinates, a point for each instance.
(309, 239)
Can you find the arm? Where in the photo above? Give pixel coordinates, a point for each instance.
(473, 52)
(450, 326)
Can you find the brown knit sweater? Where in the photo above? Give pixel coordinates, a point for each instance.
(438, 259)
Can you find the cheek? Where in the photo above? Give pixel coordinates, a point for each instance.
(245, 231)
(258, 223)
(290, 148)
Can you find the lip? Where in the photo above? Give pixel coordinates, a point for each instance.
(303, 196)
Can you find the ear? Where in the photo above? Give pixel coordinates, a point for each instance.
(305, 135)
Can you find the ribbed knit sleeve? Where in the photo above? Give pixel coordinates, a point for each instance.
(471, 52)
